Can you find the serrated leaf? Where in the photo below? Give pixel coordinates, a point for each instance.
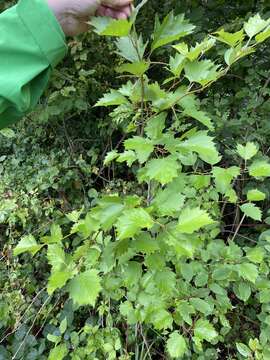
(201, 305)
(132, 221)
(128, 156)
(231, 39)
(200, 116)
(168, 202)
(252, 211)
(176, 64)
(203, 145)
(255, 255)
(255, 195)
(242, 291)
(234, 54)
(162, 170)
(161, 319)
(114, 97)
(56, 257)
(176, 345)
(137, 68)
(243, 350)
(204, 330)
(112, 155)
(84, 288)
(143, 147)
(127, 50)
(106, 213)
(27, 244)
(201, 71)
(259, 168)
(172, 28)
(107, 26)
(248, 271)
(248, 151)
(155, 126)
(255, 25)
(58, 279)
(59, 352)
(191, 220)
(223, 177)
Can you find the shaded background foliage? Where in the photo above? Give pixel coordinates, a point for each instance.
(53, 163)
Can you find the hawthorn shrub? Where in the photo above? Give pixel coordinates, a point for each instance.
(162, 250)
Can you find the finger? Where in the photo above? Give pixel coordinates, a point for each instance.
(117, 4)
(122, 13)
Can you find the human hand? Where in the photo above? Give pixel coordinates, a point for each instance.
(74, 14)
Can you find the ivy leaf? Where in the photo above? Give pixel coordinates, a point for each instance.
(203, 145)
(243, 350)
(255, 195)
(204, 330)
(132, 221)
(248, 151)
(201, 71)
(137, 68)
(162, 170)
(191, 220)
(84, 288)
(259, 168)
(231, 39)
(142, 147)
(176, 345)
(110, 27)
(114, 97)
(112, 155)
(59, 352)
(172, 28)
(252, 211)
(248, 271)
(255, 25)
(27, 244)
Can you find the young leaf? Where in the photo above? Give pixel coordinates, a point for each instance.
(172, 28)
(132, 221)
(142, 147)
(110, 27)
(162, 170)
(203, 145)
(84, 288)
(252, 211)
(255, 25)
(27, 244)
(176, 345)
(248, 151)
(191, 220)
(204, 330)
(255, 195)
(259, 168)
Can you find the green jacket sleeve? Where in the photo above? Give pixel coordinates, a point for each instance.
(31, 45)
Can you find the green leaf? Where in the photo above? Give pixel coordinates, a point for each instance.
(58, 279)
(203, 145)
(112, 155)
(243, 350)
(145, 243)
(143, 147)
(255, 255)
(114, 97)
(176, 345)
(197, 50)
(106, 213)
(203, 306)
(8, 133)
(127, 50)
(162, 170)
(234, 54)
(223, 177)
(231, 39)
(132, 221)
(56, 257)
(127, 156)
(63, 326)
(137, 68)
(84, 288)
(255, 25)
(248, 151)
(172, 28)
(252, 211)
(155, 126)
(59, 352)
(55, 237)
(263, 35)
(204, 330)
(176, 64)
(27, 244)
(200, 116)
(242, 291)
(201, 71)
(248, 271)
(255, 195)
(161, 319)
(191, 220)
(168, 202)
(259, 168)
(110, 27)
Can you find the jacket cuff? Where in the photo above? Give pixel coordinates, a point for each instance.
(44, 28)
